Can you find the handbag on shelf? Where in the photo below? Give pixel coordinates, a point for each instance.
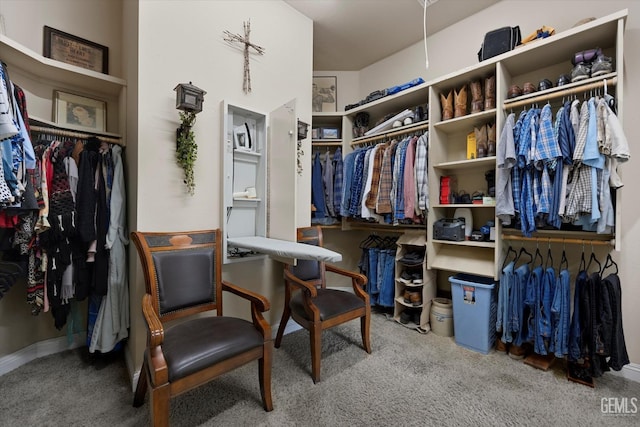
(499, 41)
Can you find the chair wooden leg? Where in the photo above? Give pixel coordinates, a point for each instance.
(159, 405)
(141, 387)
(286, 313)
(264, 372)
(364, 330)
(316, 351)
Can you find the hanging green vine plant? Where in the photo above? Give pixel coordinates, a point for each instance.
(187, 149)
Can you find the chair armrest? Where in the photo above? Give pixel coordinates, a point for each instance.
(358, 281)
(260, 301)
(259, 304)
(309, 288)
(156, 331)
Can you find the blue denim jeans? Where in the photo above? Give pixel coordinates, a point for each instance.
(372, 275)
(386, 284)
(516, 325)
(506, 283)
(561, 314)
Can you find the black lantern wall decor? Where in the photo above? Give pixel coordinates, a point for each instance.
(189, 99)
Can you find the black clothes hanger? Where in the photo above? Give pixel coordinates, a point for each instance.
(524, 251)
(594, 259)
(564, 263)
(583, 264)
(506, 258)
(549, 262)
(538, 260)
(609, 263)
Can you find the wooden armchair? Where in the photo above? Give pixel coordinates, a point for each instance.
(183, 277)
(316, 307)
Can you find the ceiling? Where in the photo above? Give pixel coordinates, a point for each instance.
(349, 35)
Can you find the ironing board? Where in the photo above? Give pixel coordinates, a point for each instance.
(284, 250)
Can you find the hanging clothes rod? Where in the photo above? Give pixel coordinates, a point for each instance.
(378, 137)
(560, 93)
(591, 242)
(73, 134)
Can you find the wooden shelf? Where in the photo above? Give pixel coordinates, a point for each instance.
(464, 259)
(466, 243)
(467, 163)
(466, 123)
(40, 68)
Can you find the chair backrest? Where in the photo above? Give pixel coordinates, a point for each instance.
(309, 270)
(182, 271)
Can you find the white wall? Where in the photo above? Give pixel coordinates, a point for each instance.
(98, 21)
(167, 57)
(456, 47)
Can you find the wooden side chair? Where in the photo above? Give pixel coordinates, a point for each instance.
(315, 307)
(183, 278)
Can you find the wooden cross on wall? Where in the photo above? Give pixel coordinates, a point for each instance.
(237, 38)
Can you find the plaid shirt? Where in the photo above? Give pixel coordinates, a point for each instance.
(383, 206)
(527, 202)
(547, 151)
(420, 169)
(348, 166)
(337, 180)
(356, 184)
(370, 202)
(579, 199)
(516, 172)
(397, 191)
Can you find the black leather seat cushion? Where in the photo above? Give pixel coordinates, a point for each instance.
(330, 302)
(194, 345)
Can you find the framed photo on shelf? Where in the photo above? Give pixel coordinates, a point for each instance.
(74, 50)
(325, 94)
(242, 138)
(79, 112)
(330, 133)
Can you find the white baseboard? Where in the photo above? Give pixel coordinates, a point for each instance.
(40, 349)
(630, 372)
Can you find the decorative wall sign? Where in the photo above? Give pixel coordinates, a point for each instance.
(74, 50)
(79, 112)
(325, 94)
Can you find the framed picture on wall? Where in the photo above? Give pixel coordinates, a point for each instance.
(79, 112)
(325, 94)
(74, 50)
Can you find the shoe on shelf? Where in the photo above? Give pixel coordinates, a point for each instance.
(406, 277)
(405, 317)
(415, 317)
(563, 80)
(580, 72)
(602, 65)
(416, 278)
(412, 297)
(544, 84)
(528, 88)
(514, 91)
(412, 258)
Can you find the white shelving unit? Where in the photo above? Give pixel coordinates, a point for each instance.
(39, 77)
(546, 58)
